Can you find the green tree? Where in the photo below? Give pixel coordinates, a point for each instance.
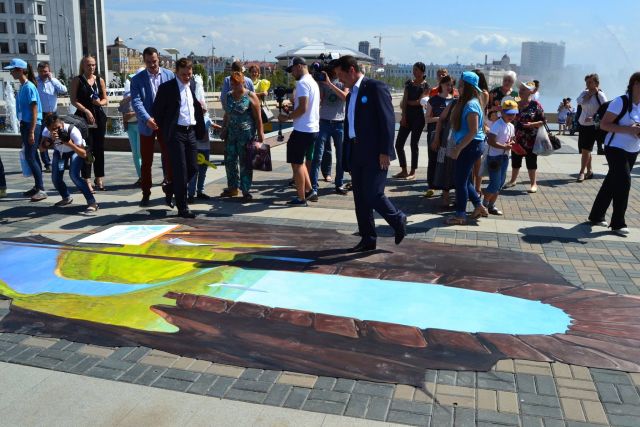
(62, 76)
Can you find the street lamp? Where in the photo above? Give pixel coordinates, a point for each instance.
(68, 43)
(172, 51)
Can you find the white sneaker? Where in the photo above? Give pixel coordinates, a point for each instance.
(624, 231)
(40, 195)
(601, 224)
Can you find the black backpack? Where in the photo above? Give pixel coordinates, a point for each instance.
(626, 108)
(79, 123)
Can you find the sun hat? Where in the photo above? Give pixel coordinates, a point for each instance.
(16, 63)
(509, 107)
(296, 60)
(529, 85)
(471, 78)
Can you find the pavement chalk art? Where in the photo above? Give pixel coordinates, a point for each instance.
(286, 298)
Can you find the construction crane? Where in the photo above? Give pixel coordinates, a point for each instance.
(379, 37)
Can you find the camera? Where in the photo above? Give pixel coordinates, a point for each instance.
(64, 136)
(280, 92)
(318, 67)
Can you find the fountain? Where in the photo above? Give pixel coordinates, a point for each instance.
(11, 119)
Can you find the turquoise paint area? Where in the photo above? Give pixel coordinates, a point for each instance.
(407, 303)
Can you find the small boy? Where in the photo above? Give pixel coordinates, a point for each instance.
(500, 140)
(195, 189)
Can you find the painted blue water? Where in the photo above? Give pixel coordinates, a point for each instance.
(407, 303)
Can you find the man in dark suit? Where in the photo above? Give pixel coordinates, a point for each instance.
(144, 87)
(180, 117)
(369, 130)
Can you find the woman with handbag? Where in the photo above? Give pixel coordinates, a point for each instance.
(89, 94)
(527, 122)
(242, 121)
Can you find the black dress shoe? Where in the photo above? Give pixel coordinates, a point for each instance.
(168, 200)
(401, 232)
(364, 247)
(144, 202)
(186, 214)
(191, 199)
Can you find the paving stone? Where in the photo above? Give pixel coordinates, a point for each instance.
(374, 389)
(158, 360)
(245, 395)
(357, 406)
(505, 365)
(93, 350)
(624, 420)
(442, 416)
(71, 362)
(466, 379)
(150, 375)
(296, 398)
(606, 376)
(408, 406)
(121, 353)
(612, 408)
(554, 422)
(543, 411)
(531, 421)
(182, 375)
(455, 391)
(404, 392)
(581, 424)
(119, 365)
(536, 399)
(104, 373)
(300, 380)
(497, 381)
(594, 412)
(329, 395)
(487, 399)
(628, 394)
(258, 386)
(576, 384)
(84, 365)
(572, 409)
(545, 385)
(344, 385)
(577, 394)
(56, 354)
(497, 417)
(137, 354)
(608, 392)
(325, 383)
(277, 395)
(378, 408)
(202, 384)
(464, 417)
(269, 376)
(409, 418)
(251, 374)
(220, 387)
(507, 402)
(526, 383)
(225, 370)
(447, 377)
(134, 373)
(19, 353)
(39, 342)
(326, 407)
(42, 362)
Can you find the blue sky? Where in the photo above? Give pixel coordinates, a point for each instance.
(599, 35)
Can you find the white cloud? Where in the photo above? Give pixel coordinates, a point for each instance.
(427, 38)
(490, 43)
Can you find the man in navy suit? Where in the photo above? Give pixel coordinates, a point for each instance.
(144, 87)
(180, 117)
(369, 130)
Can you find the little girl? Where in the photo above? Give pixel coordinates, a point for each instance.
(500, 140)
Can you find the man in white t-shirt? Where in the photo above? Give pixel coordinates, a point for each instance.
(68, 148)
(306, 124)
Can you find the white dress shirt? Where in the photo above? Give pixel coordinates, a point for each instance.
(49, 90)
(154, 81)
(187, 114)
(351, 110)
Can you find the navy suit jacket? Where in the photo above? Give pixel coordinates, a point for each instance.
(374, 123)
(166, 110)
(142, 97)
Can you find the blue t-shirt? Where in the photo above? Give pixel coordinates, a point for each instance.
(472, 106)
(27, 95)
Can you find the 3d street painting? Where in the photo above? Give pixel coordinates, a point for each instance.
(292, 299)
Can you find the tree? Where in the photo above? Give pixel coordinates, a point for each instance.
(62, 76)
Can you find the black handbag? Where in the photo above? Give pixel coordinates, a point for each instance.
(258, 156)
(555, 141)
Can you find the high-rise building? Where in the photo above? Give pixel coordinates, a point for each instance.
(363, 47)
(540, 59)
(23, 31)
(92, 31)
(375, 54)
(63, 18)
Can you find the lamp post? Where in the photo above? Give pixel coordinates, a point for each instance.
(213, 65)
(68, 43)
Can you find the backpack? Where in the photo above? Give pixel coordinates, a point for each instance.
(626, 108)
(79, 123)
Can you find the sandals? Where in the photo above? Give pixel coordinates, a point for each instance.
(580, 177)
(455, 220)
(480, 211)
(509, 185)
(99, 185)
(91, 209)
(589, 175)
(401, 175)
(533, 189)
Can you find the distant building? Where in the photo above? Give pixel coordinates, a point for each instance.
(375, 54)
(23, 32)
(122, 59)
(542, 59)
(494, 71)
(431, 71)
(311, 53)
(363, 47)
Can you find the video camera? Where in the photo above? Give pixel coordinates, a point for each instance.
(280, 92)
(325, 64)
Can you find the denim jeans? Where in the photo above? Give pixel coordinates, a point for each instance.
(498, 174)
(197, 182)
(465, 189)
(3, 181)
(76, 163)
(31, 154)
(334, 130)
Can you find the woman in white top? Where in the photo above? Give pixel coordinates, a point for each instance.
(622, 122)
(590, 100)
(68, 146)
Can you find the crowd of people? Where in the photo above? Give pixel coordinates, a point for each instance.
(472, 131)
